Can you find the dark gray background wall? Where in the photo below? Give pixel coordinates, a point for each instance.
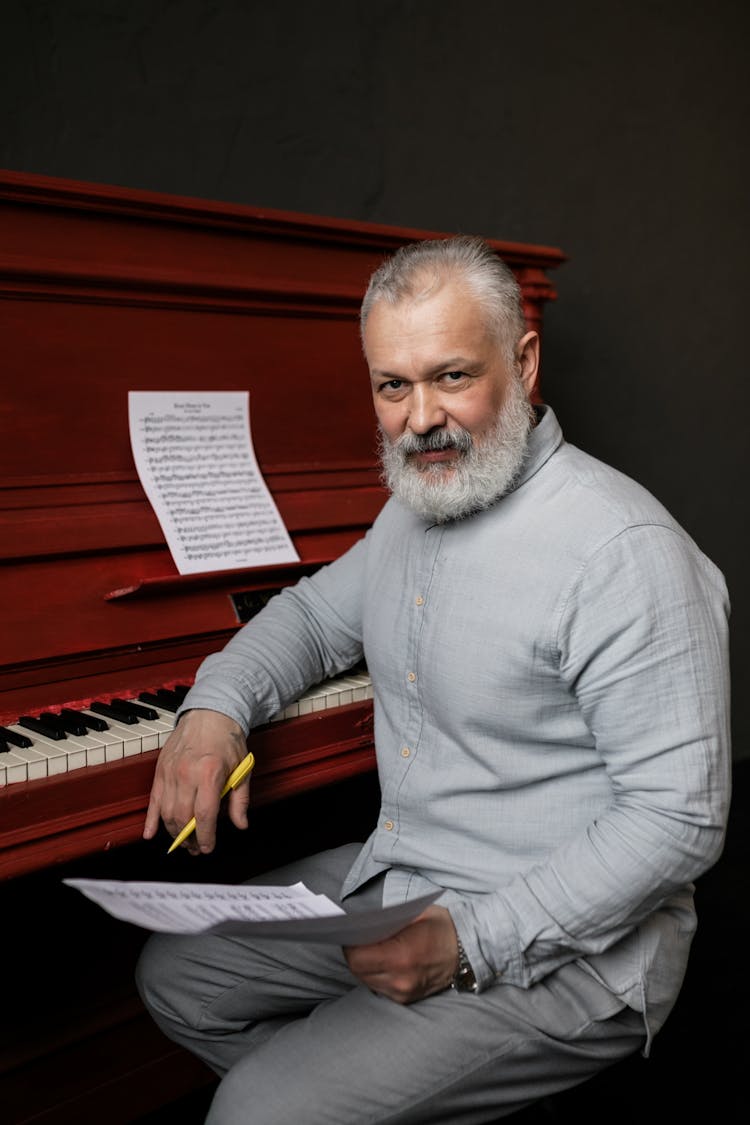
(615, 130)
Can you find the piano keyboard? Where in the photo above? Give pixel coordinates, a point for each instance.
(38, 746)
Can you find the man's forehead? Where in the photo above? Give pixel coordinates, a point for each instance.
(428, 286)
(449, 319)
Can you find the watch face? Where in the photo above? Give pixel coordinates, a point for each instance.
(465, 981)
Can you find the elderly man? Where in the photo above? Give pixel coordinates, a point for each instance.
(548, 653)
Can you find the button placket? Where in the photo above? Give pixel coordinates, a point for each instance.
(412, 710)
(422, 580)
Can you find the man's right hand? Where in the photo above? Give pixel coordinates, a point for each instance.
(193, 766)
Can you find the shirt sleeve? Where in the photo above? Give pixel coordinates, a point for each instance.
(642, 646)
(307, 633)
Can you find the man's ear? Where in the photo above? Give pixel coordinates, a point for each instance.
(527, 358)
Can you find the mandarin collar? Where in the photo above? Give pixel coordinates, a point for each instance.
(544, 439)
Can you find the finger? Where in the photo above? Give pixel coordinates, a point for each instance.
(206, 813)
(366, 960)
(239, 799)
(151, 824)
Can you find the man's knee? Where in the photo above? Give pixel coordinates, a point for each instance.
(159, 978)
(263, 1081)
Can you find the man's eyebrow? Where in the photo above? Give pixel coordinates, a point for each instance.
(452, 363)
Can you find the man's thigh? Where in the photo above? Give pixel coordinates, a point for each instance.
(360, 1059)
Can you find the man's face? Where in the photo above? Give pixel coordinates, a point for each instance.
(434, 365)
(453, 410)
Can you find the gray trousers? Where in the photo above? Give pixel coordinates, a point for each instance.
(299, 1041)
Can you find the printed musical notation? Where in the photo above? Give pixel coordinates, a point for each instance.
(195, 458)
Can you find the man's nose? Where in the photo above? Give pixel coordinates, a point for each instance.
(426, 411)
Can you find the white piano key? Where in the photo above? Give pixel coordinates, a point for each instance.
(341, 692)
(291, 711)
(12, 768)
(114, 750)
(156, 731)
(36, 763)
(96, 751)
(304, 705)
(315, 697)
(164, 719)
(360, 685)
(365, 683)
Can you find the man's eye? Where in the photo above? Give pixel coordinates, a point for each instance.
(392, 385)
(454, 376)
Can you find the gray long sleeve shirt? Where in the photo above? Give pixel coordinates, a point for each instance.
(551, 716)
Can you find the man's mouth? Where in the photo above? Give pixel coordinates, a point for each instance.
(438, 448)
(437, 456)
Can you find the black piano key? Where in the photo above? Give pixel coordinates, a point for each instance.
(166, 701)
(170, 700)
(4, 747)
(90, 722)
(135, 708)
(14, 738)
(150, 697)
(49, 730)
(181, 690)
(113, 713)
(67, 726)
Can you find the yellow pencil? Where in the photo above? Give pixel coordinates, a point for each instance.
(236, 776)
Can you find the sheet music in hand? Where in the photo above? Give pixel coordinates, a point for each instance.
(269, 912)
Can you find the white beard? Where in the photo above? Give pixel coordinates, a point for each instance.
(483, 472)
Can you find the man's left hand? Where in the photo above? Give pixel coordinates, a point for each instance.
(417, 961)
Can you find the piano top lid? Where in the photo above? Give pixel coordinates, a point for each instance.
(42, 192)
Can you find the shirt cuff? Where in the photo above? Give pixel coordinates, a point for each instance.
(490, 967)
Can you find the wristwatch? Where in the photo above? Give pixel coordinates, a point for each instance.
(463, 978)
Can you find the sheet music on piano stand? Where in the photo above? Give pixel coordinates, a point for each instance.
(195, 458)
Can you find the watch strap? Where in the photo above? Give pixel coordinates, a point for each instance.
(464, 979)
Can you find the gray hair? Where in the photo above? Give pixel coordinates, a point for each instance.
(417, 269)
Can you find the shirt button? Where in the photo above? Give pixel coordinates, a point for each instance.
(388, 826)
(411, 677)
(405, 752)
(419, 600)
